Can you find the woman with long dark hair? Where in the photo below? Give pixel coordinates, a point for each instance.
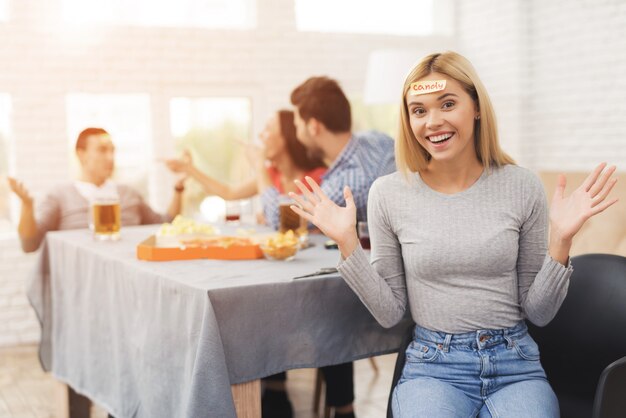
(284, 159)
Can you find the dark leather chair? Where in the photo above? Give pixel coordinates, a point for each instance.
(397, 372)
(583, 349)
(610, 401)
(587, 336)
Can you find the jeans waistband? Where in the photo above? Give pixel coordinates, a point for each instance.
(481, 338)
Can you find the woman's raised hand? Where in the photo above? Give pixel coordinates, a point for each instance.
(181, 165)
(336, 222)
(20, 190)
(568, 214)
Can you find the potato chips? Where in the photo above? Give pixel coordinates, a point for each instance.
(281, 246)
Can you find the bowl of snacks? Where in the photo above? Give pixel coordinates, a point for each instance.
(281, 246)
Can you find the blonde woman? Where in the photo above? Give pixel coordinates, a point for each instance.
(460, 237)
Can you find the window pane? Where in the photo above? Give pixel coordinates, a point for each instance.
(5, 161)
(4, 10)
(380, 117)
(232, 14)
(215, 131)
(393, 17)
(127, 118)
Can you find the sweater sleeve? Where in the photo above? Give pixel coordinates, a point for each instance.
(542, 281)
(149, 216)
(381, 285)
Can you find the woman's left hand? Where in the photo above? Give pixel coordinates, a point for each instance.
(182, 165)
(568, 214)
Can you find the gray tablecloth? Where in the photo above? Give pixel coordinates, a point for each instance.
(167, 339)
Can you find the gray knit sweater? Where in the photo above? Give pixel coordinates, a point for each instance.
(472, 260)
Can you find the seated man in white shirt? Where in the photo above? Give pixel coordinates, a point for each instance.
(67, 207)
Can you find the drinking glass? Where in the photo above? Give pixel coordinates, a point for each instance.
(364, 235)
(106, 219)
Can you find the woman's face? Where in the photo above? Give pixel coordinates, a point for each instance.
(272, 138)
(443, 121)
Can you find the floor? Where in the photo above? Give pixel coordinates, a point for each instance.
(27, 392)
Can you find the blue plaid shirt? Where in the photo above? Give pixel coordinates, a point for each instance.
(367, 156)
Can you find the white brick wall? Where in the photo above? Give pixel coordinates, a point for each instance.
(578, 109)
(494, 36)
(42, 61)
(554, 70)
(17, 321)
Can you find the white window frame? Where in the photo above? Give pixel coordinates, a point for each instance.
(165, 13)
(332, 16)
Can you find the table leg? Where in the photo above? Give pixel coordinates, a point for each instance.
(247, 397)
(70, 404)
(62, 403)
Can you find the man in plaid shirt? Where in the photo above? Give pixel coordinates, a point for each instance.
(324, 125)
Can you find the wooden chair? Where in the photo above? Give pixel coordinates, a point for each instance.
(319, 387)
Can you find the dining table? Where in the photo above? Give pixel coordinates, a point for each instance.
(191, 338)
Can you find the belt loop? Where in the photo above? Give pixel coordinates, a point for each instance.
(508, 338)
(446, 343)
(509, 341)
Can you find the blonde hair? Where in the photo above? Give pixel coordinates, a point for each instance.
(410, 155)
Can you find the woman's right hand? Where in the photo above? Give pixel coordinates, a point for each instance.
(336, 222)
(182, 165)
(18, 188)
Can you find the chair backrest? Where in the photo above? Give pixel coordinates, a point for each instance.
(397, 372)
(589, 331)
(610, 399)
(587, 334)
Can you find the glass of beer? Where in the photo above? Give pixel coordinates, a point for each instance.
(290, 220)
(106, 218)
(364, 235)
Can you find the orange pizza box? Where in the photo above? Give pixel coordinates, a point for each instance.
(218, 247)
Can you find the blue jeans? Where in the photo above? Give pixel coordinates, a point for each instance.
(485, 373)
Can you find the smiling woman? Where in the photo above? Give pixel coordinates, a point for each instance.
(438, 104)
(459, 238)
(443, 124)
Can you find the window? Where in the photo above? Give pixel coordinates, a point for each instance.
(380, 117)
(127, 118)
(215, 131)
(379, 107)
(229, 14)
(5, 163)
(4, 10)
(391, 17)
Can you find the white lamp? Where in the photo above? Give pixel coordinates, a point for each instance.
(386, 71)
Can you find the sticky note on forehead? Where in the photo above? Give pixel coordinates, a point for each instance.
(425, 87)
